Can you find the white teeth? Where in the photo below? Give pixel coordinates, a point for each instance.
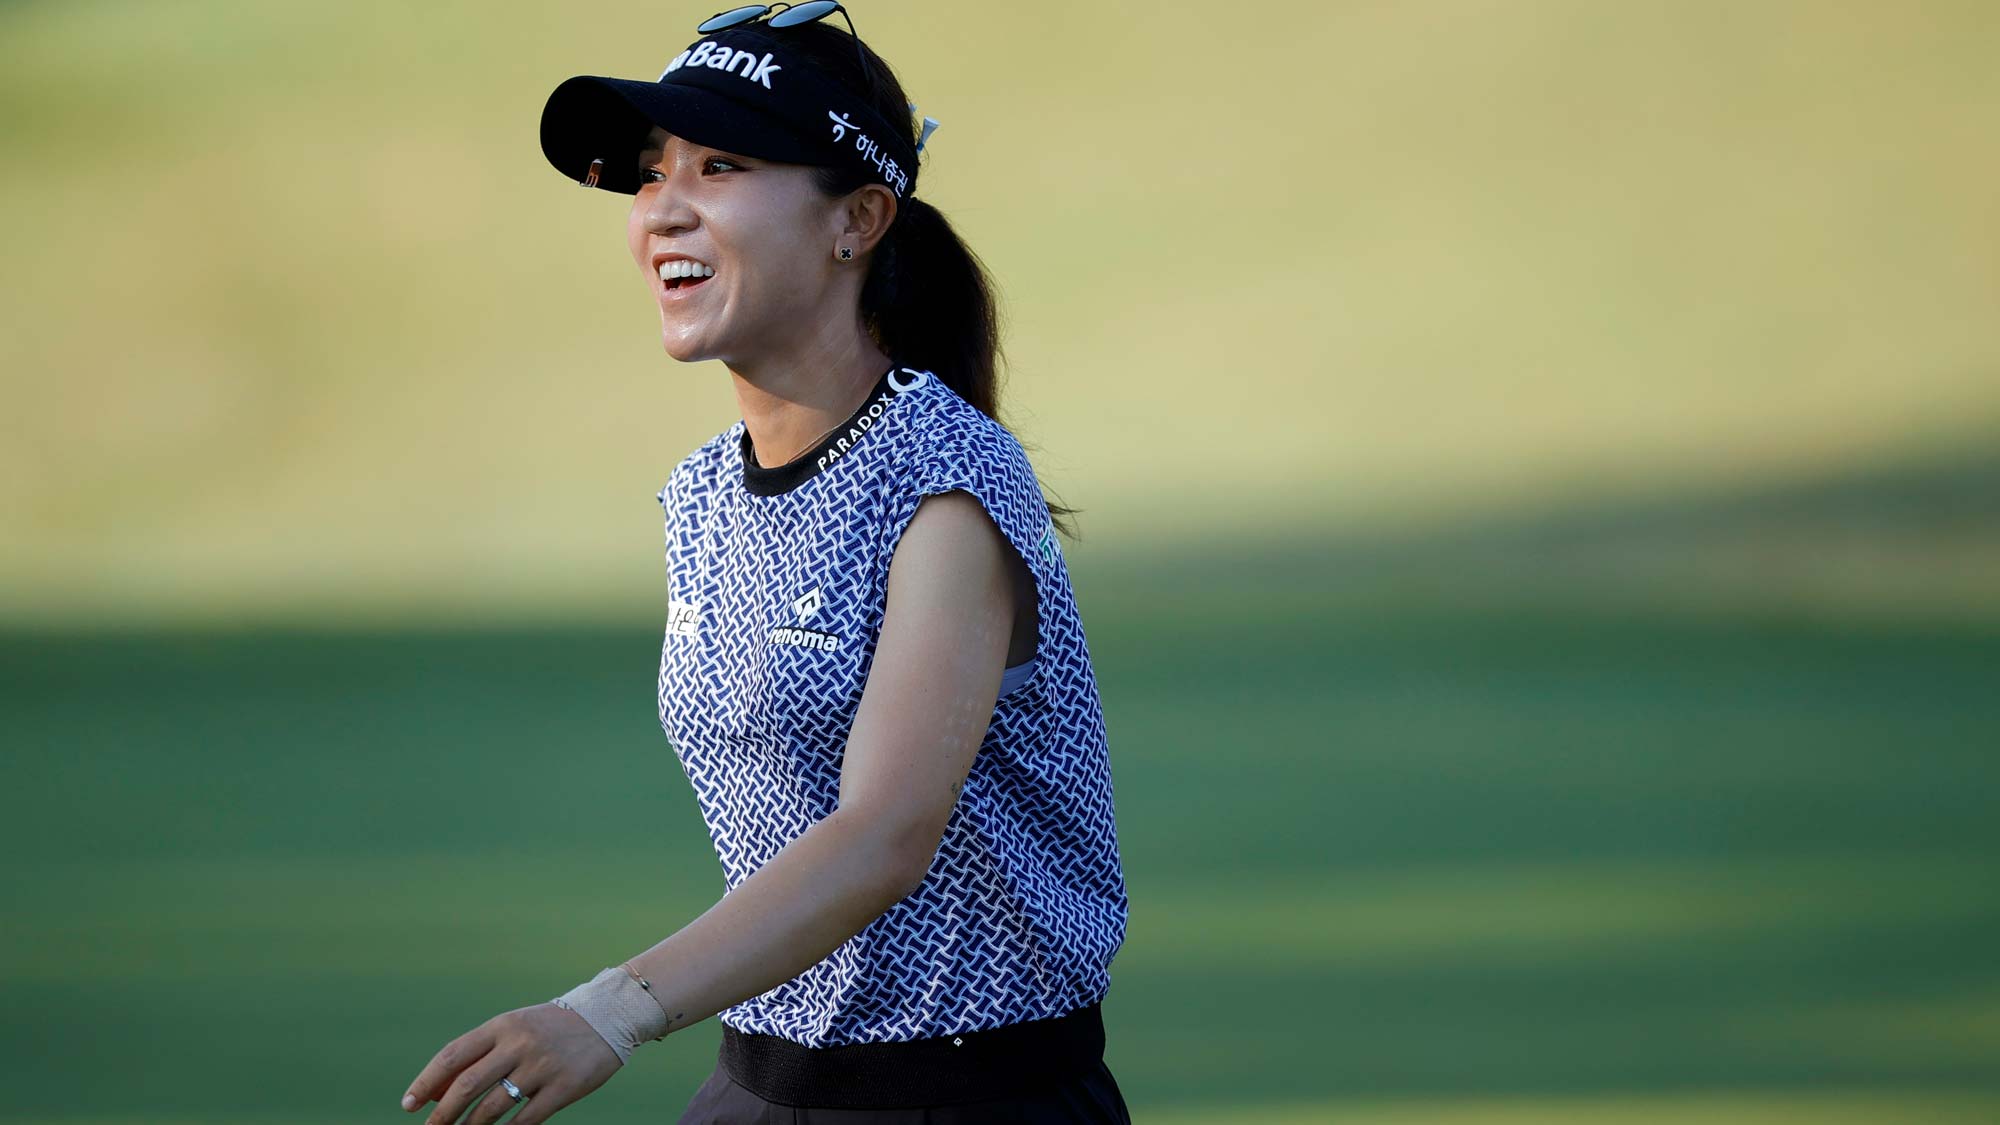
(683, 267)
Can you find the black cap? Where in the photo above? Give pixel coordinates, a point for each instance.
(737, 90)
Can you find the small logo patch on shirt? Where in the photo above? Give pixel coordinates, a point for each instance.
(682, 617)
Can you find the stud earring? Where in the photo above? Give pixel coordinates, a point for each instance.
(846, 253)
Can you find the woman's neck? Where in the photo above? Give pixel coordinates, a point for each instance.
(788, 409)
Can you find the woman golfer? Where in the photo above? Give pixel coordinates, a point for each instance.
(874, 672)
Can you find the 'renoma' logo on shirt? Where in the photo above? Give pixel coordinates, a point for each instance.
(806, 604)
(803, 607)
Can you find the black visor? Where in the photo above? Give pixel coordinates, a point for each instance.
(735, 90)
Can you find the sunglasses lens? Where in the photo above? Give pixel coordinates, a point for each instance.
(732, 17)
(803, 13)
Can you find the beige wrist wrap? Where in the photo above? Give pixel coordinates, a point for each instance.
(621, 1011)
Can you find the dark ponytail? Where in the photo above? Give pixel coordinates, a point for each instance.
(927, 299)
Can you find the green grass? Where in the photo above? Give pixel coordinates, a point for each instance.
(1422, 865)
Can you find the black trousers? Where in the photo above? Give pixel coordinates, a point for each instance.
(1091, 1098)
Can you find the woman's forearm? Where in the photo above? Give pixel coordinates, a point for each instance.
(819, 890)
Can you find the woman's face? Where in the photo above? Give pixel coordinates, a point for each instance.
(765, 230)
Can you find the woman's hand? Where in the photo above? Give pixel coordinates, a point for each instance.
(550, 1053)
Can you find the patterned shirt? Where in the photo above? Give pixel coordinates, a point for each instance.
(776, 581)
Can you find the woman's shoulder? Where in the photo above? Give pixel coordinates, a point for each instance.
(955, 446)
(950, 438)
(702, 468)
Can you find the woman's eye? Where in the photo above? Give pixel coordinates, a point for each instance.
(646, 174)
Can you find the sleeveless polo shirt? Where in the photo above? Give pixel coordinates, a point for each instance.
(777, 580)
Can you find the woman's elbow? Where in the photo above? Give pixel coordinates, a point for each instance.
(912, 854)
(897, 852)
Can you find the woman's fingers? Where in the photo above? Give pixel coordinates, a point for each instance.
(498, 1101)
(471, 1082)
(445, 1065)
(553, 1055)
(448, 1077)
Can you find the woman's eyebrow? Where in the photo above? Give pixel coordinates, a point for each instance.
(652, 153)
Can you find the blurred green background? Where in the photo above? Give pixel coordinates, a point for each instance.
(1541, 544)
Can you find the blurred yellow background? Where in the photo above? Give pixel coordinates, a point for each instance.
(300, 325)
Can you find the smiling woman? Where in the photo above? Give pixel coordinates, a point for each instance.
(874, 672)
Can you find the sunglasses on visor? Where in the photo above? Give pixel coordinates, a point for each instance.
(789, 15)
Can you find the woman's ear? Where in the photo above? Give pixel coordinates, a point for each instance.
(870, 210)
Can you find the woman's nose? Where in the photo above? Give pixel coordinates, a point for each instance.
(668, 210)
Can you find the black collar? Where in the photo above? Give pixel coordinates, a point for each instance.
(780, 479)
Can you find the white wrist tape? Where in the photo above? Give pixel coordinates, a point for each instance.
(625, 1014)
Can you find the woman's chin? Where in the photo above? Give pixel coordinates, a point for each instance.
(682, 347)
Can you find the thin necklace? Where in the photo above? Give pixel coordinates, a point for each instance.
(800, 453)
(809, 445)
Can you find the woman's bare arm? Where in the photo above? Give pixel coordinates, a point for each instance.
(929, 699)
(923, 714)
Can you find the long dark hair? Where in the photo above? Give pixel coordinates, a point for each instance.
(927, 299)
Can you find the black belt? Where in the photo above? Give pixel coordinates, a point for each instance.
(969, 1066)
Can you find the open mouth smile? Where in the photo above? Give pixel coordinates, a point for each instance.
(680, 277)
